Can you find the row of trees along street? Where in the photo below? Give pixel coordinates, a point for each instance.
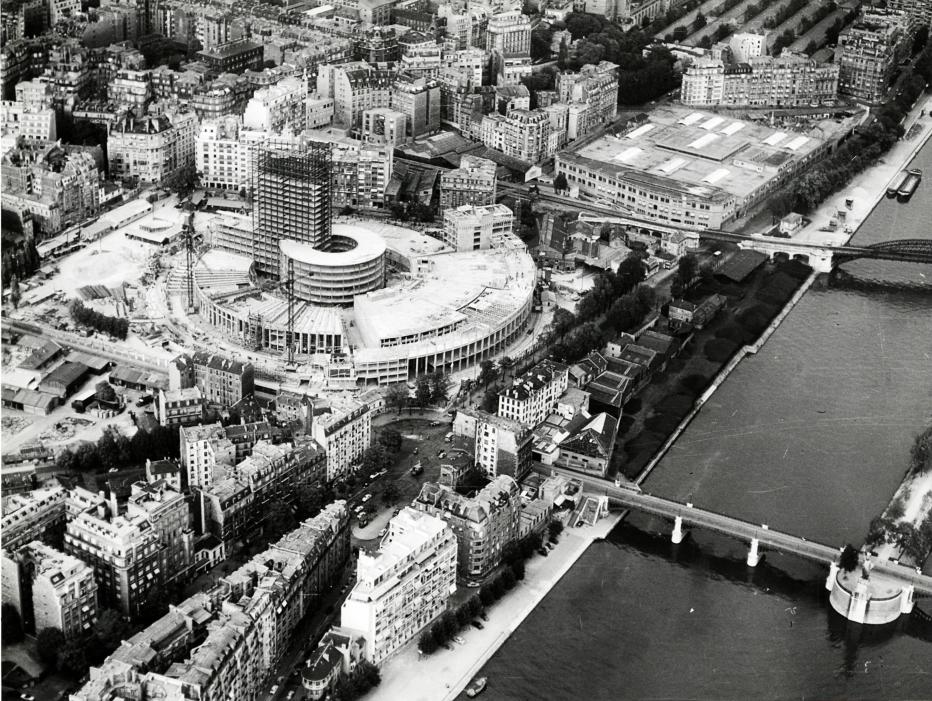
(429, 388)
(115, 326)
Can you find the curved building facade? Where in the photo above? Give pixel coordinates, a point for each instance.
(353, 264)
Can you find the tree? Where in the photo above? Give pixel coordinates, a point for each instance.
(12, 625)
(422, 390)
(508, 579)
(554, 529)
(396, 396)
(474, 603)
(390, 438)
(49, 642)
(487, 596)
(104, 392)
(72, 658)
(279, 519)
(487, 372)
(699, 22)
(439, 382)
(15, 294)
(560, 184)
(849, 558)
(391, 493)
(563, 55)
(427, 643)
(686, 269)
(517, 567)
(375, 459)
(110, 629)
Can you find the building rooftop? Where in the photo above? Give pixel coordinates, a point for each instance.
(365, 246)
(702, 153)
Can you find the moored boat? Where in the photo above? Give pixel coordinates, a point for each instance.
(910, 184)
(897, 183)
(477, 686)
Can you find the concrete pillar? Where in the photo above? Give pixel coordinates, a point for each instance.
(832, 574)
(753, 553)
(906, 599)
(857, 608)
(677, 536)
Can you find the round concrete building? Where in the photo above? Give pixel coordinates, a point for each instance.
(353, 264)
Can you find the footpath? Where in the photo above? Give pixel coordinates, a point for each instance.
(444, 674)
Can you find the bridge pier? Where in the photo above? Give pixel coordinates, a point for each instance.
(832, 574)
(678, 534)
(754, 553)
(906, 599)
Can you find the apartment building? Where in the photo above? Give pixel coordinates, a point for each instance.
(124, 551)
(277, 107)
(500, 446)
(868, 52)
(473, 183)
(344, 432)
(483, 524)
(421, 55)
(49, 589)
(532, 396)
(596, 85)
(35, 515)
(355, 87)
(222, 381)
(223, 643)
(405, 586)
(360, 173)
(225, 509)
(382, 125)
(376, 45)
(509, 33)
(170, 515)
(272, 472)
(418, 99)
(155, 149)
(217, 154)
(232, 57)
(522, 134)
(59, 186)
(181, 407)
(747, 45)
(34, 124)
(471, 228)
(203, 448)
(786, 81)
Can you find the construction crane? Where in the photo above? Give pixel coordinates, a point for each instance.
(188, 229)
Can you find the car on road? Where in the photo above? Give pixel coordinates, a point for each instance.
(383, 532)
(543, 551)
(273, 690)
(478, 624)
(458, 640)
(442, 454)
(366, 498)
(434, 423)
(27, 697)
(290, 695)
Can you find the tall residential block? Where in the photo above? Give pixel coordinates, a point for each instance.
(470, 228)
(50, 589)
(473, 183)
(169, 513)
(500, 446)
(345, 433)
(532, 396)
(509, 33)
(868, 53)
(403, 587)
(35, 515)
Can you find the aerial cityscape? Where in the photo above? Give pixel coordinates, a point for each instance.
(421, 350)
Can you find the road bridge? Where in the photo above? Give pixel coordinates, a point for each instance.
(759, 536)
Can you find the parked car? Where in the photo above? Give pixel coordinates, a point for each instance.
(290, 695)
(543, 551)
(458, 640)
(434, 423)
(383, 532)
(478, 624)
(366, 498)
(273, 690)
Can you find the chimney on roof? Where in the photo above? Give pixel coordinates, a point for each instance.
(114, 508)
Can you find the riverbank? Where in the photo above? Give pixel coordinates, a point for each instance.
(444, 674)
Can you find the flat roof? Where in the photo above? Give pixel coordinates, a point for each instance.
(700, 153)
(368, 247)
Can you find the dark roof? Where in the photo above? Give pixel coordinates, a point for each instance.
(94, 362)
(741, 264)
(164, 467)
(216, 361)
(40, 356)
(67, 373)
(322, 663)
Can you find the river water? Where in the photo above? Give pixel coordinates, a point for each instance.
(811, 436)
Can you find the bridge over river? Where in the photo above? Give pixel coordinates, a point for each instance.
(908, 582)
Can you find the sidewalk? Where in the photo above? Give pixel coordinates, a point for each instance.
(446, 673)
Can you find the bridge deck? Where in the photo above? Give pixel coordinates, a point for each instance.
(728, 525)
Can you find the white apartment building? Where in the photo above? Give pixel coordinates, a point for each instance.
(203, 448)
(509, 33)
(382, 125)
(50, 589)
(747, 45)
(35, 515)
(169, 513)
(595, 85)
(465, 63)
(33, 124)
(533, 396)
(470, 228)
(472, 183)
(278, 106)
(217, 156)
(124, 551)
(319, 112)
(405, 586)
(345, 433)
(785, 81)
(355, 87)
(360, 173)
(154, 149)
(501, 446)
(522, 134)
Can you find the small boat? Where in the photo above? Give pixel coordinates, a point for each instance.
(910, 184)
(477, 686)
(897, 183)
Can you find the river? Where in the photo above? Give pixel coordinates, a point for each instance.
(811, 436)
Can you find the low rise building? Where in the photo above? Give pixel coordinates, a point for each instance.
(405, 586)
(483, 524)
(335, 656)
(472, 228)
(223, 381)
(473, 183)
(49, 589)
(181, 407)
(232, 57)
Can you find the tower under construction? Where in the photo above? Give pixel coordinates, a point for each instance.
(292, 199)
